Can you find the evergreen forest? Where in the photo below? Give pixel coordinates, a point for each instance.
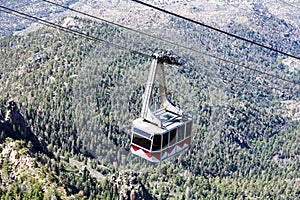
(75, 99)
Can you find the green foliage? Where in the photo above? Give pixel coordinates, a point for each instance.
(79, 98)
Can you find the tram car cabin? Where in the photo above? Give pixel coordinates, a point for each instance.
(161, 134)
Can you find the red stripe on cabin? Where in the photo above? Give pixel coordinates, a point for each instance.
(148, 154)
(188, 141)
(156, 155)
(170, 149)
(181, 144)
(135, 148)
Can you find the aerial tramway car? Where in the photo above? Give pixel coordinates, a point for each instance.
(163, 133)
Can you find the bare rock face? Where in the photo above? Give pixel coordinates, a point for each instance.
(14, 126)
(19, 167)
(14, 116)
(14, 162)
(15, 123)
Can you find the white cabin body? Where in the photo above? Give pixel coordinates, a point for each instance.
(161, 134)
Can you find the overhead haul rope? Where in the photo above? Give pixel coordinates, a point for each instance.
(216, 29)
(168, 41)
(74, 32)
(78, 33)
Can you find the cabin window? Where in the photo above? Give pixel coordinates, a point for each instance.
(141, 141)
(156, 143)
(172, 136)
(180, 133)
(189, 129)
(165, 140)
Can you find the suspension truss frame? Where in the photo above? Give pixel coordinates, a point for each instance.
(157, 72)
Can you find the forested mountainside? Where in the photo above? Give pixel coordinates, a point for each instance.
(78, 98)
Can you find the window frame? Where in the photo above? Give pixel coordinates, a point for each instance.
(149, 142)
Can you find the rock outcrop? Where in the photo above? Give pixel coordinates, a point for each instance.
(13, 125)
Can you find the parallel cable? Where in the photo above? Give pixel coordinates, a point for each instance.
(216, 29)
(130, 29)
(104, 20)
(167, 41)
(75, 32)
(78, 33)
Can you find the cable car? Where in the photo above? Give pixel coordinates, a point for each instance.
(163, 133)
